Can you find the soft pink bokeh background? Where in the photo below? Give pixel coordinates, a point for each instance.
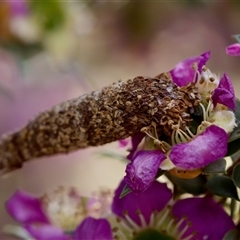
(80, 62)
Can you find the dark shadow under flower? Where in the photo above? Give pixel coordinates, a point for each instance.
(136, 139)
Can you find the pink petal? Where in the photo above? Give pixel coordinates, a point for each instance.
(123, 142)
(183, 73)
(25, 208)
(207, 218)
(202, 150)
(46, 232)
(155, 198)
(135, 139)
(233, 50)
(224, 93)
(93, 229)
(141, 172)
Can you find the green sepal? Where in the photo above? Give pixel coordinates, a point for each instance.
(218, 166)
(235, 157)
(233, 147)
(114, 155)
(195, 186)
(236, 37)
(234, 138)
(233, 234)
(126, 190)
(54, 14)
(236, 131)
(236, 175)
(160, 172)
(222, 186)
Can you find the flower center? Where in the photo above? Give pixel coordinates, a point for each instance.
(152, 234)
(65, 208)
(206, 81)
(162, 225)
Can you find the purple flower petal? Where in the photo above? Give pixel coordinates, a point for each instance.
(202, 150)
(183, 73)
(136, 139)
(154, 198)
(141, 172)
(123, 142)
(46, 232)
(224, 93)
(233, 49)
(226, 83)
(208, 219)
(19, 8)
(93, 229)
(25, 208)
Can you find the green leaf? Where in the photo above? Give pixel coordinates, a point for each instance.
(114, 155)
(237, 37)
(160, 172)
(233, 234)
(126, 190)
(236, 175)
(233, 147)
(236, 131)
(218, 166)
(222, 186)
(236, 156)
(49, 14)
(234, 138)
(195, 186)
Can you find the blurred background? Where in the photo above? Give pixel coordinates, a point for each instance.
(54, 50)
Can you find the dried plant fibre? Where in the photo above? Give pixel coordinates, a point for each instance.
(112, 113)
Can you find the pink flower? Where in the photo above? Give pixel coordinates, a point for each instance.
(233, 49)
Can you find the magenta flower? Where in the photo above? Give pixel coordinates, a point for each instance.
(183, 73)
(203, 213)
(185, 150)
(135, 140)
(93, 229)
(131, 203)
(224, 93)
(123, 142)
(141, 172)
(233, 49)
(65, 224)
(19, 8)
(149, 216)
(208, 147)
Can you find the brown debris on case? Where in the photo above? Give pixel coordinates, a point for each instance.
(113, 113)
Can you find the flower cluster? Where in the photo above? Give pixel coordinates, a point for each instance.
(188, 150)
(62, 214)
(150, 215)
(142, 207)
(234, 49)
